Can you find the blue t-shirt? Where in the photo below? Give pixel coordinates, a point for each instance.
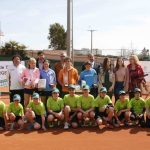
(90, 76)
(50, 78)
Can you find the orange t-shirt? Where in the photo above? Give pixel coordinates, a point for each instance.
(73, 77)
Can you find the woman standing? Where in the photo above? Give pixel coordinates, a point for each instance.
(107, 77)
(121, 78)
(136, 75)
(50, 77)
(29, 78)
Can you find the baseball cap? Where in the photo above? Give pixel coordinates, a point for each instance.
(122, 92)
(103, 89)
(86, 87)
(87, 63)
(71, 86)
(137, 90)
(55, 90)
(35, 96)
(16, 97)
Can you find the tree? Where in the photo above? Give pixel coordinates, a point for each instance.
(12, 47)
(57, 37)
(144, 54)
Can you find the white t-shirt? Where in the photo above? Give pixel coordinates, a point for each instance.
(14, 74)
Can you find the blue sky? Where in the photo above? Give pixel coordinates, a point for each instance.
(118, 22)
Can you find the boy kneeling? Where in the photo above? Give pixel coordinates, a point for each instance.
(55, 106)
(104, 109)
(16, 113)
(85, 106)
(35, 112)
(148, 113)
(122, 109)
(71, 110)
(137, 105)
(3, 116)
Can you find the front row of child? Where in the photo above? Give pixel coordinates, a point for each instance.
(76, 110)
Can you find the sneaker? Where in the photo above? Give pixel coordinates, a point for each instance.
(109, 126)
(51, 124)
(1, 128)
(90, 123)
(12, 126)
(30, 127)
(66, 126)
(126, 123)
(25, 120)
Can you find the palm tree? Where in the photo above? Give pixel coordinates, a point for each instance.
(13, 47)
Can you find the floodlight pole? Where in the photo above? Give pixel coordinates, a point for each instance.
(70, 52)
(91, 39)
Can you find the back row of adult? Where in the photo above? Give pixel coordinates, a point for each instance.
(23, 81)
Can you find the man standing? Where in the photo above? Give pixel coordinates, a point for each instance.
(94, 65)
(58, 66)
(13, 76)
(40, 60)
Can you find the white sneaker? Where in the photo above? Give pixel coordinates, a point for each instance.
(66, 126)
(1, 128)
(12, 126)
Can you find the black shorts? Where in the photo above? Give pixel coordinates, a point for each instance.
(17, 118)
(135, 117)
(147, 122)
(52, 114)
(38, 119)
(101, 114)
(121, 116)
(45, 93)
(2, 122)
(48, 113)
(105, 114)
(30, 91)
(74, 116)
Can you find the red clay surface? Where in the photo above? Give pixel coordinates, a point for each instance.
(73, 139)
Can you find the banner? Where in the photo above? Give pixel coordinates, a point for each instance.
(3, 72)
(146, 67)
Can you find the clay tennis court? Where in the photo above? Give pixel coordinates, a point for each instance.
(73, 139)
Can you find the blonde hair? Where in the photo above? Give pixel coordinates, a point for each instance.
(136, 59)
(31, 60)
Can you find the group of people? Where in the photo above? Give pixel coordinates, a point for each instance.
(59, 102)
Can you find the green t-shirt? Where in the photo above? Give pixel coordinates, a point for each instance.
(122, 105)
(86, 102)
(147, 105)
(55, 105)
(17, 110)
(2, 108)
(137, 106)
(71, 101)
(102, 102)
(39, 109)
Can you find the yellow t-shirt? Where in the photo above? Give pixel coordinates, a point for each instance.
(85, 103)
(55, 105)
